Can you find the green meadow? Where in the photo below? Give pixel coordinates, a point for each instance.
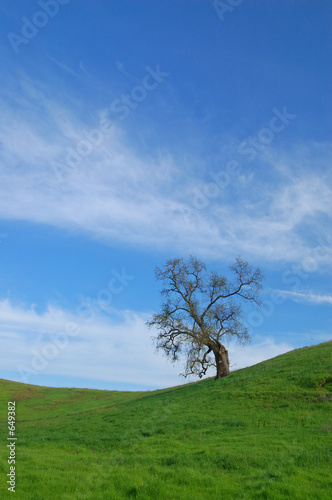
(263, 432)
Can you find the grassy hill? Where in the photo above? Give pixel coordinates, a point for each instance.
(262, 432)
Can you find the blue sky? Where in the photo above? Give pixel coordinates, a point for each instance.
(134, 132)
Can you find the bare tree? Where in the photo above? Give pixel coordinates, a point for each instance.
(201, 310)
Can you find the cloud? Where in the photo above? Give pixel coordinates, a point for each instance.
(249, 355)
(62, 343)
(308, 297)
(65, 67)
(115, 349)
(117, 192)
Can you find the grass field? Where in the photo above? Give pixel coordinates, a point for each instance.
(262, 432)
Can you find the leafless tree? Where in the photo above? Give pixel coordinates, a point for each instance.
(201, 309)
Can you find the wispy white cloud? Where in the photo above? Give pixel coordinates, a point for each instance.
(310, 297)
(65, 67)
(251, 354)
(62, 343)
(120, 194)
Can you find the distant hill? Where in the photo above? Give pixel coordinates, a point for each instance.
(264, 432)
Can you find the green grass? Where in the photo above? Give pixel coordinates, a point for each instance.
(263, 432)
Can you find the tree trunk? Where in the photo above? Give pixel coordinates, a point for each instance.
(222, 362)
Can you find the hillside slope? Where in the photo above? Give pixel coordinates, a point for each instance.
(262, 432)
